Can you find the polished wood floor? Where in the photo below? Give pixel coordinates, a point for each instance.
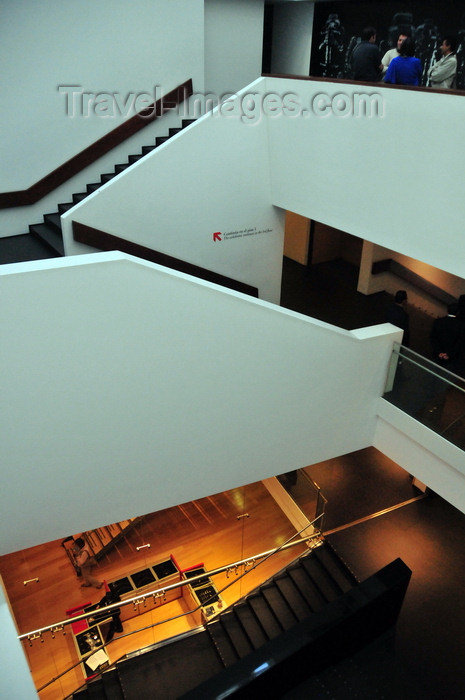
(210, 530)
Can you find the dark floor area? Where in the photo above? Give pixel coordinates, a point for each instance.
(428, 647)
(23, 248)
(328, 292)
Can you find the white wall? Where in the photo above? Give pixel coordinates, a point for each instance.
(212, 177)
(123, 46)
(233, 44)
(127, 389)
(15, 680)
(292, 38)
(382, 179)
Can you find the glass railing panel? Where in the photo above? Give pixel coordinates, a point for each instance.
(306, 494)
(428, 392)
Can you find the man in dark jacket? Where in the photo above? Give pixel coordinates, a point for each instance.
(366, 58)
(447, 339)
(397, 315)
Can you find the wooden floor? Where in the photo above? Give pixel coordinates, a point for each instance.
(208, 530)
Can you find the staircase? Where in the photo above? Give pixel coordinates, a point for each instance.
(45, 239)
(283, 634)
(281, 603)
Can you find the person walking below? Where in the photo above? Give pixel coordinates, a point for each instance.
(85, 561)
(397, 315)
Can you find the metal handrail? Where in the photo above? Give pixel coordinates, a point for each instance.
(159, 592)
(422, 362)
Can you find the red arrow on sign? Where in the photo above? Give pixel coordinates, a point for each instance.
(217, 236)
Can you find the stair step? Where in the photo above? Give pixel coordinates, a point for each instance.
(236, 634)
(65, 206)
(93, 187)
(106, 177)
(342, 576)
(174, 130)
(291, 593)
(250, 625)
(134, 158)
(306, 587)
(265, 616)
(49, 236)
(187, 122)
(23, 248)
(222, 643)
(122, 166)
(325, 584)
(112, 686)
(53, 220)
(280, 608)
(95, 689)
(161, 139)
(80, 196)
(147, 149)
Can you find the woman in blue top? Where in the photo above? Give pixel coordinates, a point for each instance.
(405, 69)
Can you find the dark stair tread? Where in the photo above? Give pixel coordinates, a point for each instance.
(174, 130)
(79, 196)
(80, 694)
(53, 220)
(95, 689)
(291, 593)
(265, 616)
(112, 686)
(236, 634)
(106, 177)
(278, 605)
(23, 248)
(187, 122)
(49, 235)
(344, 578)
(65, 206)
(92, 187)
(161, 139)
(306, 587)
(147, 149)
(250, 624)
(222, 643)
(322, 579)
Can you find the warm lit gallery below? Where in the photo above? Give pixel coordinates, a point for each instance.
(373, 513)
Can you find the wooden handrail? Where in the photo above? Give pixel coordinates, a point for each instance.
(90, 154)
(106, 241)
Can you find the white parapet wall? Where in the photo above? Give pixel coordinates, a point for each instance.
(128, 388)
(203, 197)
(369, 160)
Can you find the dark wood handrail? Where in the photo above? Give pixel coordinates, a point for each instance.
(379, 83)
(106, 241)
(90, 154)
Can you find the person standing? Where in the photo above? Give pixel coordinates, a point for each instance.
(85, 560)
(366, 58)
(397, 315)
(447, 339)
(442, 73)
(392, 53)
(405, 69)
